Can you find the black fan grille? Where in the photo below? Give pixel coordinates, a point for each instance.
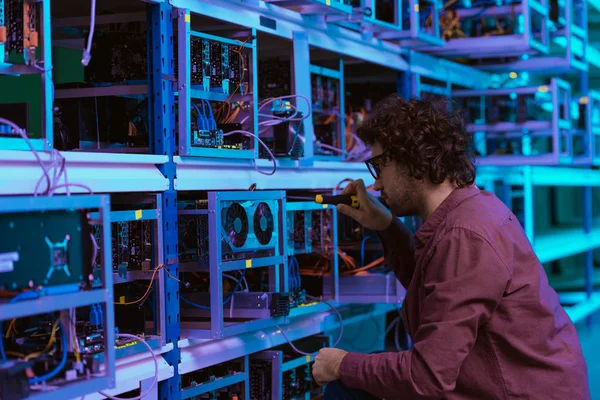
(235, 225)
(263, 223)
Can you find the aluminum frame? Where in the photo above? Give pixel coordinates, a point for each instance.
(103, 295)
(186, 91)
(562, 242)
(366, 289)
(559, 128)
(501, 46)
(341, 129)
(291, 207)
(315, 7)
(594, 122)
(416, 37)
(278, 366)
(154, 214)
(278, 277)
(220, 383)
(46, 142)
(266, 17)
(568, 51)
(585, 132)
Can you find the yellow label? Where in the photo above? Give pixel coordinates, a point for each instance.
(122, 299)
(308, 359)
(327, 2)
(416, 8)
(138, 214)
(324, 205)
(187, 18)
(248, 263)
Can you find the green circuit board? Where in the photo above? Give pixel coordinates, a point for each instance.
(45, 249)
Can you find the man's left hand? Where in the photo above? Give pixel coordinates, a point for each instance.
(326, 367)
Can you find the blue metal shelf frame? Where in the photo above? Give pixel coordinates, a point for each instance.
(163, 141)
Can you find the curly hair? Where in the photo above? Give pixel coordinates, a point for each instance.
(424, 137)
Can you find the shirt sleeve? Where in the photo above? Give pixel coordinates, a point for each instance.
(399, 251)
(463, 284)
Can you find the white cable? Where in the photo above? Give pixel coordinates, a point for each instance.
(336, 342)
(57, 165)
(250, 134)
(326, 146)
(21, 132)
(87, 52)
(154, 381)
(289, 97)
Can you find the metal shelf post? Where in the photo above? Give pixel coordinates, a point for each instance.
(162, 114)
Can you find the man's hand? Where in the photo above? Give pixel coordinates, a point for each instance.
(326, 367)
(371, 214)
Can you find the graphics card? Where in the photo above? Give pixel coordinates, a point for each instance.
(248, 226)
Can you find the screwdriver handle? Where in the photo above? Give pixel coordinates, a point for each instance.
(351, 201)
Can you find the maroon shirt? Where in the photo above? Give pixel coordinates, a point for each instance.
(485, 323)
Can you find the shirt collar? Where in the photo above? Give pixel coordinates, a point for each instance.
(457, 196)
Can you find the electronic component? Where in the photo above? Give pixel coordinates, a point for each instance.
(368, 288)
(59, 243)
(236, 233)
(218, 84)
(513, 126)
(13, 380)
(327, 104)
(274, 78)
(133, 235)
(243, 305)
(287, 135)
(218, 65)
(285, 374)
(226, 380)
(120, 55)
(20, 34)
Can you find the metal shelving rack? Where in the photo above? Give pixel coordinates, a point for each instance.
(66, 300)
(167, 170)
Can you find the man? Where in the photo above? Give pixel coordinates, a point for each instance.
(484, 321)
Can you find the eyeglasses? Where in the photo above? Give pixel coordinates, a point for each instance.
(374, 165)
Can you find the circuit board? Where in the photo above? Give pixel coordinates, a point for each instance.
(58, 243)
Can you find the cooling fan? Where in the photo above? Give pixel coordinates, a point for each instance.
(249, 225)
(235, 224)
(263, 223)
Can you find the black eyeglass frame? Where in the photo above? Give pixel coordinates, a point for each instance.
(374, 165)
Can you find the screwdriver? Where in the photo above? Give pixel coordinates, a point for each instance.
(351, 201)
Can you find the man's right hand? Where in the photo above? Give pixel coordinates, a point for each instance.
(371, 214)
